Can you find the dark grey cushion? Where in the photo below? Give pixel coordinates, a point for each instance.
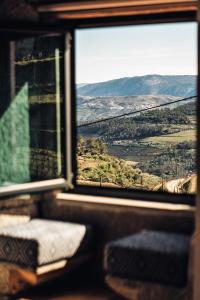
(149, 255)
(41, 242)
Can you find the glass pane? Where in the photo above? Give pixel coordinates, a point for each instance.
(30, 112)
(136, 107)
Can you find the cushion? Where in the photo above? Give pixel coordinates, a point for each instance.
(41, 242)
(152, 256)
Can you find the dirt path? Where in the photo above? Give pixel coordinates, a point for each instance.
(173, 186)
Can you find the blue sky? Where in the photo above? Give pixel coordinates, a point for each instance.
(114, 52)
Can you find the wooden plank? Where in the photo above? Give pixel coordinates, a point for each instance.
(136, 290)
(90, 5)
(117, 202)
(14, 279)
(39, 186)
(116, 8)
(122, 12)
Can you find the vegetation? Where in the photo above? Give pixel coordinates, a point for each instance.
(184, 137)
(149, 124)
(95, 165)
(168, 137)
(163, 116)
(172, 163)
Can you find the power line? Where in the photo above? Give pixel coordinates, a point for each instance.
(135, 112)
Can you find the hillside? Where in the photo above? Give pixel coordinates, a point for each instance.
(154, 123)
(151, 150)
(176, 85)
(92, 108)
(96, 167)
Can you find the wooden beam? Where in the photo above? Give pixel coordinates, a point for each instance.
(122, 12)
(99, 4)
(116, 8)
(118, 202)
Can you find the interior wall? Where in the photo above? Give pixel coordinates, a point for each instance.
(112, 221)
(20, 205)
(17, 10)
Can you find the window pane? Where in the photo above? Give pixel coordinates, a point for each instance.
(30, 111)
(136, 107)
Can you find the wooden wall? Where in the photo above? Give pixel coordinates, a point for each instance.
(115, 221)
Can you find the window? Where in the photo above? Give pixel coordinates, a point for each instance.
(136, 107)
(133, 126)
(31, 118)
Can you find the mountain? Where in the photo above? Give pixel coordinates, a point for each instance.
(173, 85)
(95, 108)
(79, 85)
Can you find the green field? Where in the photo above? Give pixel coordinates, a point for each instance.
(178, 137)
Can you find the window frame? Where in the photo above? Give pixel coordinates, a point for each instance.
(164, 197)
(17, 33)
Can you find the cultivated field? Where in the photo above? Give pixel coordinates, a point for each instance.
(178, 137)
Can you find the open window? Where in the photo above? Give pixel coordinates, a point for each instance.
(32, 113)
(136, 108)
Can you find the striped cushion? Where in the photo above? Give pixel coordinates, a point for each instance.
(151, 256)
(41, 242)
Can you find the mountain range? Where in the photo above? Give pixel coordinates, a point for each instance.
(173, 85)
(119, 96)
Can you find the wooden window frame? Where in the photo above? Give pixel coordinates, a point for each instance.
(15, 33)
(117, 192)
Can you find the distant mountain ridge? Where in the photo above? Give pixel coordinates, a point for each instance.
(94, 108)
(173, 85)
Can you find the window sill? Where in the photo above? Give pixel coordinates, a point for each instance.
(88, 199)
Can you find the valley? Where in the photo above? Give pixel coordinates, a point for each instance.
(151, 150)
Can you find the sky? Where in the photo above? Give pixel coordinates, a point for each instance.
(114, 52)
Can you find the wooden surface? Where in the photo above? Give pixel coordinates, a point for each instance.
(136, 290)
(78, 285)
(87, 294)
(100, 4)
(15, 279)
(113, 8)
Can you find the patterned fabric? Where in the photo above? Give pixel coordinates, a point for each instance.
(40, 242)
(152, 256)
